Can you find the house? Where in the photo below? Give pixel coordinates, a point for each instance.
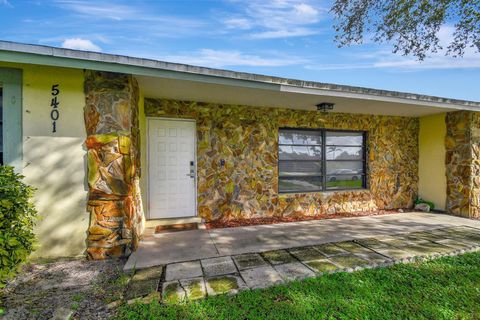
(113, 142)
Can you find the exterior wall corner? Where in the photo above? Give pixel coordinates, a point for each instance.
(462, 160)
(113, 160)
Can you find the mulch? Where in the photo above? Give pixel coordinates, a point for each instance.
(232, 223)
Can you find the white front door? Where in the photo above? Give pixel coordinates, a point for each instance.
(171, 163)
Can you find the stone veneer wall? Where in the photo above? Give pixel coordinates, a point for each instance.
(462, 161)
(114, 202)
(247, 139)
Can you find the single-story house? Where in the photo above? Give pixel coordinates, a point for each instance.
(113, 143)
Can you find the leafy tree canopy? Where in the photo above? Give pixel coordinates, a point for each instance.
(413, 26)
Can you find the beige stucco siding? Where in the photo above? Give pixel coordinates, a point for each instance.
(432, 183)
(54, 163)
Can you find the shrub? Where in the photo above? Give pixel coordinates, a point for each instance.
(17, 219)
(430, 204)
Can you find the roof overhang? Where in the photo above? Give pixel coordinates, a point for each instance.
(159, 79)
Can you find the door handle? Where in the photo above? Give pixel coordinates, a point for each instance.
(192, 170)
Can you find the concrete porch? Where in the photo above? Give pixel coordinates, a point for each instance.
(169, 248)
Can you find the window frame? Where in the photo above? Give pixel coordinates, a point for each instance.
(323, 161)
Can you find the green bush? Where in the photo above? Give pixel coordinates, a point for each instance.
(430, 203)
(17, 219)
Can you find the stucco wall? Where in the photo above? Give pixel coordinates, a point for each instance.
(247, 139)
(432, 181)
(54, 163)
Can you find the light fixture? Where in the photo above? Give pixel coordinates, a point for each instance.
(325, 106)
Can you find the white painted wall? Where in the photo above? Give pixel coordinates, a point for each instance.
(54, 163)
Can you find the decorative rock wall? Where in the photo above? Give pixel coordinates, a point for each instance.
(113, 160)
(462, 161)
(247, 139)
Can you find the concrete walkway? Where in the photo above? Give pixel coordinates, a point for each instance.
(167, 248)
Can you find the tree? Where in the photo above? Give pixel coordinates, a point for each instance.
(413, 26)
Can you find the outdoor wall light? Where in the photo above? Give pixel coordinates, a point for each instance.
(325, 106)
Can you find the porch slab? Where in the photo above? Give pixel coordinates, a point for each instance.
(181, 246)
(161, 249)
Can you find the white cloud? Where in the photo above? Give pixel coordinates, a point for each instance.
(277, 18)
(306, 10)
(283, 33)
(80, 44)
(99, 9)
(228, 58)
(238, 23)
(136, 18)
(385, 59)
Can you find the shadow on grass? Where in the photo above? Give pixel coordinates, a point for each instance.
(446, 288)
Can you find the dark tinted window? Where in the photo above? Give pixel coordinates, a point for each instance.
(315, 160)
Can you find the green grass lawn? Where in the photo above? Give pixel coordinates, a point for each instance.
(446, 288)
(345, 183)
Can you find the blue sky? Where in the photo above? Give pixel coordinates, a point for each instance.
(286, 38)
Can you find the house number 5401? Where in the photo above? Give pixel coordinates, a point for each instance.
(54, 113)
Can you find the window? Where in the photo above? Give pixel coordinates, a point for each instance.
(318, 160)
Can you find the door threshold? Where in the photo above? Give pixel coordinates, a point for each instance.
(169, 221)
(154, 226)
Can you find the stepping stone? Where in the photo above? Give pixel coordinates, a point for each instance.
(293, 271)
(249, 260)
(453, 243)
(141, 288)
(427, 249)
(397, 242)
(464, 239)
(261, 277)
(218, 266)
(474, 237)
(426, 235)
(307, 254)
(395, 253)
(172, 292)
(278, 257)
(228, 284)
(183, 270)
(439, 232)
(372, 243)
(352, 247)
(148, 273)
(415, 240)
(322, 265)
(330, 249)
(463, 229)
(194, 288)
(373, 257)
(349, 261)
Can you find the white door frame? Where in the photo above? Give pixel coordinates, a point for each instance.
(148, 157)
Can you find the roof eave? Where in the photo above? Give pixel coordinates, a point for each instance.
(60, 57)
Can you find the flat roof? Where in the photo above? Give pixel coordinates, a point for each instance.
(54, 56)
